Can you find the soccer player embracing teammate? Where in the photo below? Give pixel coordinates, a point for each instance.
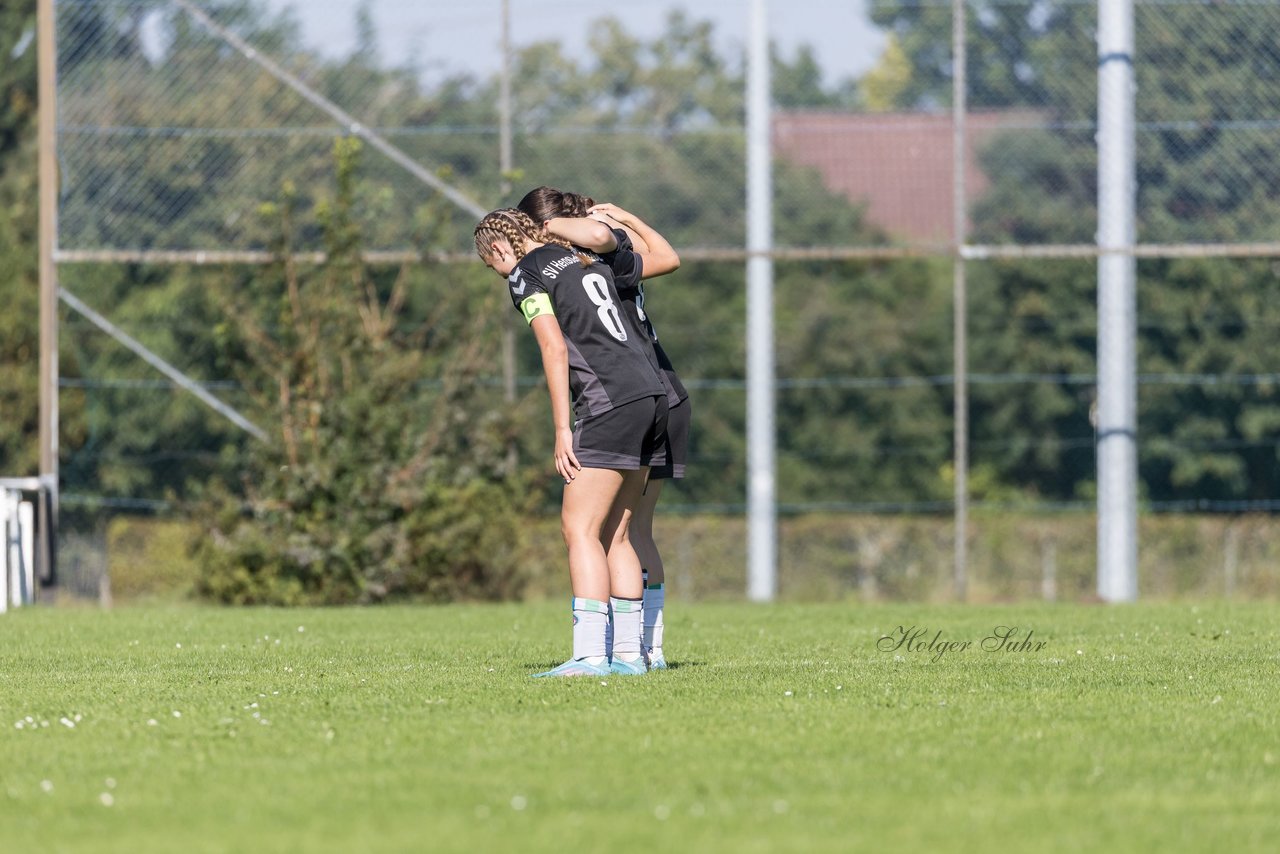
(636, 243)
(596, 352)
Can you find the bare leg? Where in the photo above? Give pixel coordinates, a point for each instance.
(585, 509)
(624, 564)
(641, 532)
(627, 588)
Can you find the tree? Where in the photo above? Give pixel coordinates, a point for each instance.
(370, 486)
(798, 84)
(19, 275)
(685, 173)
(1205, 439)
(1205, 173)
(1018, 54)
(653, 124)
(884, 87)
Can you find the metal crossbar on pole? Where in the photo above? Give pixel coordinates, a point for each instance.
(179, 379)
(353, 126)
(52, 256)
(969, 252)
(200, 257)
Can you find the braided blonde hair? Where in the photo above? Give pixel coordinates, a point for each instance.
(518, 229)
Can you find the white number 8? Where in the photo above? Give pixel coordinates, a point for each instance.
(597, 289)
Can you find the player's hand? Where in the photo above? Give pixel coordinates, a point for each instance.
(566, 463)
(612, 211)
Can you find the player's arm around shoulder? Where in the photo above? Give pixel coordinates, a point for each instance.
(583, 231)
(637, 242)
(659, 257)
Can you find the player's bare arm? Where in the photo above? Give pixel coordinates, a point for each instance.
(659, 257)
(583, 231)
(637, 242)
(555, 365)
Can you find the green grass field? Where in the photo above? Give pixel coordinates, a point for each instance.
(1153, 727)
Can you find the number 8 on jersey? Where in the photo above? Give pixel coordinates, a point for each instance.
(598, 292)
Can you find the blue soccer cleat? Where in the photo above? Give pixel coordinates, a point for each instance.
(576, 667)
(654, 662)
(628, 668)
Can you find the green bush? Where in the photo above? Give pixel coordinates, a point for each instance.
(151, 558)
(385, 472)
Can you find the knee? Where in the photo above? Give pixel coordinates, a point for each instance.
(576, 531)
(639, 530)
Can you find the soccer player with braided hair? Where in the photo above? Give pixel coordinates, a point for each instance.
(594, 352)
(558, 210)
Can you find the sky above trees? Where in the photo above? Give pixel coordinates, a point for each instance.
(448, 37)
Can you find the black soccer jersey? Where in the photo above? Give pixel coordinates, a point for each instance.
(610, 360)
(626, 266)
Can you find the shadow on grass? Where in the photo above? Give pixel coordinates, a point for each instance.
(543, 666)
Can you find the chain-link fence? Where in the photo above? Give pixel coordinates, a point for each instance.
(178, 123)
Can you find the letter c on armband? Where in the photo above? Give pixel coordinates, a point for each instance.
(535, 306)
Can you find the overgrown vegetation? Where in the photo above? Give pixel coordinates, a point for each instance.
(384, 473)
(863, 349)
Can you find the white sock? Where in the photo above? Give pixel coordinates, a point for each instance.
(654, 598)
(626, 628)
(590, 618)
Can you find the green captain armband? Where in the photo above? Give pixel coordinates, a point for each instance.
(536, 306)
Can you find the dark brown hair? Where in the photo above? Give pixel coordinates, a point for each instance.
(544, 203)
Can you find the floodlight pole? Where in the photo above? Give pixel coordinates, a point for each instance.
(762, 499)
(46, 130)
(1117, 427)
(959, 302)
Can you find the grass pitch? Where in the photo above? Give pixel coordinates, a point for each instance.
(1137, 728)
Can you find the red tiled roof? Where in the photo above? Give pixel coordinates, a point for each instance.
(897, 164)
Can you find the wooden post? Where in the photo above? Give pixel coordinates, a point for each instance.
(1049, 570)
(1230, 559)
